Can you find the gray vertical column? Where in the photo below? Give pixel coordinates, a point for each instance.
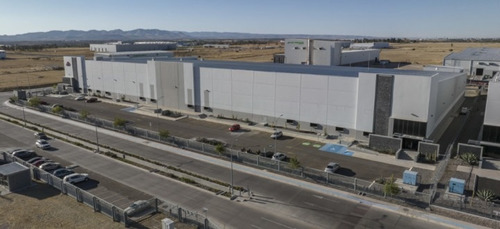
(383, 104)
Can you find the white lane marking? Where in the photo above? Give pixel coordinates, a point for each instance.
(277, 223)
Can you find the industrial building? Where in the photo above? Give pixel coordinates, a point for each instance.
(325, 99)
(15, 176)
(479, 63)
(326, 53)
(491, 123)
(130, 47)
(372, 45)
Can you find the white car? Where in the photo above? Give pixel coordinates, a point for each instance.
(277, 134)
(76, 178)
(42, 144)
(278, 157)
(332, 167)
(49, 166)
(80, 98)
(135, 207)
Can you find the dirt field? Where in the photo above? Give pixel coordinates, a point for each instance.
(42, 206)
(27, 69)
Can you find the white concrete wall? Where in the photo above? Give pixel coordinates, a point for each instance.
(322, 53)
(310, 98)
(296, 51)
(491, 116)
(350, 57)
(365, 101)
(116, 77)
(411, 97)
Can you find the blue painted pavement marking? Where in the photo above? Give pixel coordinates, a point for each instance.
(338, 149)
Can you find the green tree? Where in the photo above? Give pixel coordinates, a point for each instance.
(13, 99)
(164, 133)
(34, 102)
(57, 110)
(220, 149)
(390, 187)
(295, 163)
(84, 114)
(119, 122)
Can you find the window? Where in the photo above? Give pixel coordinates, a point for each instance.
(142, 98)
(410, 127)
(314, 125)
(190, 106)
(291, 121)
(107, 93)
(153, 100)
(98, 91)
(366, 134)
(339, 129)
(479, 71)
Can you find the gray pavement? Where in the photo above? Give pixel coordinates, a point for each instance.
(289, 207)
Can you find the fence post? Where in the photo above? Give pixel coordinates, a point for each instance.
(355, 183)
(258, 160)
(95, 203)
(279, 165)
(78, 193)
(203, 147)
(327, 178)
(179, 213)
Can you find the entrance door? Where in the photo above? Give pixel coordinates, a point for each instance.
(410, 144)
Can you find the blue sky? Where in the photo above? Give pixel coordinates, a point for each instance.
(385, 18)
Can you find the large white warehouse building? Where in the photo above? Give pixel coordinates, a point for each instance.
(357, 101)
(478, 63)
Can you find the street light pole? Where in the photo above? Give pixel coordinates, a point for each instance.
(275, 129)
(231, 152)
(96, 136)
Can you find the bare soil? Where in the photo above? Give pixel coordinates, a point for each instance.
(24, 69)
(42, 206)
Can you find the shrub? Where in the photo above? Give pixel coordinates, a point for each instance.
(486, 195)
(469, 158)
(390, 187)
(164, 133)
(119, 122)
(294, 163)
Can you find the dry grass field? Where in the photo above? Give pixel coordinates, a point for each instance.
(26, 69)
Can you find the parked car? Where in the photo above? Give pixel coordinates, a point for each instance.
(76, 178)
(23, 153)
(332, 167)
(42, 144)
(91, 100)
(277, 134)
(41, 135)
(47, 166)
(234, 127)
(62, 172)
(34, 159)
(464, 110)
(80, 98)
(40, 162)
(278, 157)
(135, 207)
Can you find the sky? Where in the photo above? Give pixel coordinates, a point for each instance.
(380, 18)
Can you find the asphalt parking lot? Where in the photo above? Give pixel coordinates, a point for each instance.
(105, 188)
(307, 152)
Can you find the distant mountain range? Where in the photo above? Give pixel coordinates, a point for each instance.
(155, 34)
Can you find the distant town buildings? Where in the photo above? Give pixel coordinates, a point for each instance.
(372, 45)
(217, 46)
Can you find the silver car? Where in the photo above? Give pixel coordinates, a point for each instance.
(332, 167)
(135, 207)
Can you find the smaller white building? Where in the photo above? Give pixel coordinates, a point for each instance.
(2, 54)
(372, 45)
(325, 53)
(217, 46)
(137, 46)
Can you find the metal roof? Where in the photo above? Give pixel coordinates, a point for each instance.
(11, 168)
(484, 54)
(294, 68)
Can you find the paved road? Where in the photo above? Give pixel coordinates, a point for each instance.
(275, 206)
(308, 155)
